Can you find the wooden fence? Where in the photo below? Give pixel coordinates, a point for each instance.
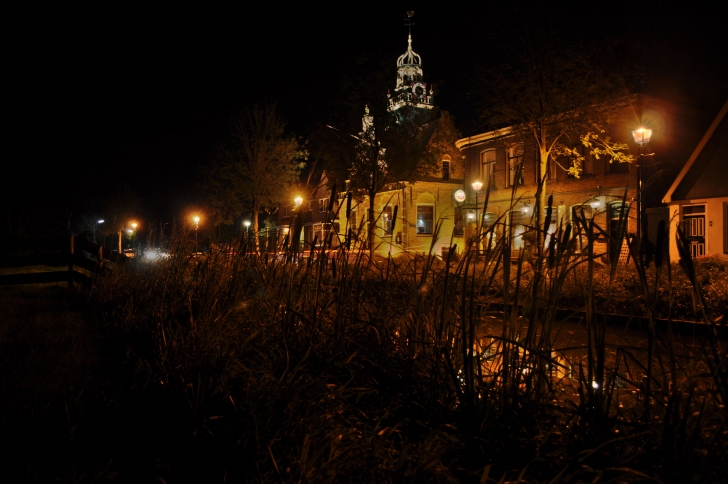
(81, 260)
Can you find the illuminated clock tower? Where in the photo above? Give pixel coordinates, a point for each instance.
(410, 89)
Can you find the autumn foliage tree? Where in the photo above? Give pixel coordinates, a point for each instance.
(552, 92)
(254, 167)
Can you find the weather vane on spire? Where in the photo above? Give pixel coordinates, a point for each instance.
(410, 23)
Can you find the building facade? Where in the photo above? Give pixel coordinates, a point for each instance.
(428, 216)
(603, 190)
(698, 198)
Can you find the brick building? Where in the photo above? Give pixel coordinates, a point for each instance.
(507, 167)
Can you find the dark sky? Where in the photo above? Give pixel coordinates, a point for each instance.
(129, 94)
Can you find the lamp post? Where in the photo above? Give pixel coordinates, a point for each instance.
(133, 226)
(98, 222)
(641, 136)
(247, 228)
(477, 185)
(196, 221)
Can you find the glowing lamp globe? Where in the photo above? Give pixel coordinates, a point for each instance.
(642, 135)
(477, 185)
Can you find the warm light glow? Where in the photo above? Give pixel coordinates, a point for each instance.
(471, 216)
(642, 135)
(595, 204)
(246, 223)
(477, 185)
(525, 210)
(298, 200)
(133, 225)
(196, 219)
(129, 231)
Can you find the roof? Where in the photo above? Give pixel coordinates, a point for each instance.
(704, 174)
(482, 138)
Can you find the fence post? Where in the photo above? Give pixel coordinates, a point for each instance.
(99, 260)
(70, 263)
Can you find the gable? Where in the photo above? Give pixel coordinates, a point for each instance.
(708, 175)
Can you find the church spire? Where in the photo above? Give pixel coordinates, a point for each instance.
(410, 88)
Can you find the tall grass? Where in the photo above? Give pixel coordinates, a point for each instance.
(331, 366)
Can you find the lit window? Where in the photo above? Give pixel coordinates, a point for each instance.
(516, 222)
(323, 205)
(387, 220)
(446, 171)
(425, 215)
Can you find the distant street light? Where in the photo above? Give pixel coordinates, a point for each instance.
(196, 221)
(641, 136)
(298, 201)
(247, 228)
(98, 222)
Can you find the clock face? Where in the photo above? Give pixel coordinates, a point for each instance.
(459, 195)
(418, 90)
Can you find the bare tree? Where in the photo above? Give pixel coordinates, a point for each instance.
(254, 168)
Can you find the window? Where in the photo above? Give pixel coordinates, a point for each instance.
(553, 225)
(550, 169)
(458, 226)
(446, 171)
(317, 233)
(323, 205)
(387, 220)
(285, 211)
(425, 215)
(694, 228)
(487, 168)
(490, 236)
(515, 165)
(587, 165)
(517, 227)
(618, 214)
(352, 219)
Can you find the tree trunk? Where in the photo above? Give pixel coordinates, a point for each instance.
(120, 235)
(543, 166)
(255, 228)
(370, 219)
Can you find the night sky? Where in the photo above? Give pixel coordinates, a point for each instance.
(139, 95)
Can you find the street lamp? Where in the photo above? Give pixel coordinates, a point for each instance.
(196, 221)
(98, 222)
(247, 228)
(641, 136)
(477, 185)
(298, 201)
